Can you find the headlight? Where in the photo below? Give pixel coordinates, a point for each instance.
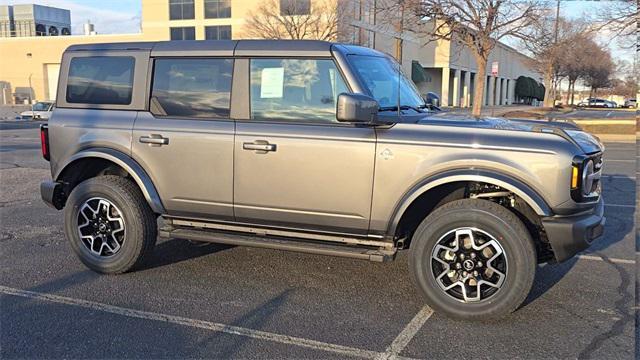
(587, 177)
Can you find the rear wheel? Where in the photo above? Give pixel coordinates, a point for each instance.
(473, 259)
(109, 224)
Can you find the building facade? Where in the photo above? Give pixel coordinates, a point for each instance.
(441, 67)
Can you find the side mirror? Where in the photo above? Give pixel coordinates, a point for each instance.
(356, 108)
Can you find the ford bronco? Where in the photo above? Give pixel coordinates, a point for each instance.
(314, 147)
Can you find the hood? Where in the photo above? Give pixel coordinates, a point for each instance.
(570, 131)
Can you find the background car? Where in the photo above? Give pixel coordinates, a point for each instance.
(630, 103)
(40, 110)
(596, 103)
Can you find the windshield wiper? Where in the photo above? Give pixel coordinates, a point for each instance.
(402, 107)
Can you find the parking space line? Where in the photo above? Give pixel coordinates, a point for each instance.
(620, 205)
(619, 177)
(613, 260)
(403, 339)
(200, 324)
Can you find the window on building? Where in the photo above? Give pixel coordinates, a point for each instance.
(216, 9)
(183, 33)
(100, 80)
(181, 9)
(195, 88)
(295, 7)
(295, 89)
(217, 32)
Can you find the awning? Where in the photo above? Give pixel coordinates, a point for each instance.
(417, 72)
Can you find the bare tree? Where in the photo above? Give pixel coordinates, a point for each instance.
(273, 19)
(475, 24)
(622, 19)
(555, 48)
(598, 69)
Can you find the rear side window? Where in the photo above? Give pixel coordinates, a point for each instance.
(100, 80)
(197, 88)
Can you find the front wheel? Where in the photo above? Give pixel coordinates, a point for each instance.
(473, 259)
(109, 224)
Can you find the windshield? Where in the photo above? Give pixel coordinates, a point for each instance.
(41, 106)
(380, 76)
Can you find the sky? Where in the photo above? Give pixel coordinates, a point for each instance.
(123, 16)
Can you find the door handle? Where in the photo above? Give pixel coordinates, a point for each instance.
(261, 147)
(154, 139)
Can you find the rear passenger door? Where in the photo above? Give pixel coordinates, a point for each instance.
(185, 141)
(295, 165)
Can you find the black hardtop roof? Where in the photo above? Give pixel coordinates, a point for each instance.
(231, 48)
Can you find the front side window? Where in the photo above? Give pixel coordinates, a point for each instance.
(181, 10)
(217, 9)
(295, 7)
(385, 81)
(295, 89)
(183, 33)
(100, 80)
(196, 88)
(217, 32)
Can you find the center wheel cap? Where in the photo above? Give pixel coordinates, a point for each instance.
(468, 265)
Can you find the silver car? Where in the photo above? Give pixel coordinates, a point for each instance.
(315, 147)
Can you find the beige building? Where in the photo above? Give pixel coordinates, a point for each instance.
(30, 65)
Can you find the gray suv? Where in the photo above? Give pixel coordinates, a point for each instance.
(314, 147)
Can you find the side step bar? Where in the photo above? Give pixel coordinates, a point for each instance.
(297, 245)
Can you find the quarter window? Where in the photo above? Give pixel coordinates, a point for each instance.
(183, 33)
(100, 80)
(195, 88)
(295, 89)
(181, 9)
(217, 9)
(217, 32)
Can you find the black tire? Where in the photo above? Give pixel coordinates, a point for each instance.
(508, 231)
(139, 223)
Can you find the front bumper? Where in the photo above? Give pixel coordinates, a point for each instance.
(569, 235)
(52, 194)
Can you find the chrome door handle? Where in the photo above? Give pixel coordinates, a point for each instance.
(154, 139)
(261, 147)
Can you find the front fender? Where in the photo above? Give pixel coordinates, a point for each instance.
(530, 196)
(127, 163)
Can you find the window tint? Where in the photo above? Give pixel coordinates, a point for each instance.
(181, 9)
(183, 33)
(295, 89)
(198, 88)
(215, 9)
(295, 7)
(100, 80)
(217, 32)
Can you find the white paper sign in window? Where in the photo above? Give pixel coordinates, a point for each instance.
(272, 82)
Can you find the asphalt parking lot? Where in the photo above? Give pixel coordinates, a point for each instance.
(221, 302)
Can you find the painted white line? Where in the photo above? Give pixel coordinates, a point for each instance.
(616, 160)
(207, 325)
(403, 339)
(613, 260)
(619, 177)
(622, 206)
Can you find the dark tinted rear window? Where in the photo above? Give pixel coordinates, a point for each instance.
(192, 87)
(100, 80)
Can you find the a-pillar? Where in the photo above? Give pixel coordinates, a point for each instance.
(444, 92)
(456, 88)
(466, 89)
